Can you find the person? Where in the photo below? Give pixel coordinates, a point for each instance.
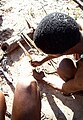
(26, 104)
(66, 69)
(58, 28)
(2, 106)
(58, 34)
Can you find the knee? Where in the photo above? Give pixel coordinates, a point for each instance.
(27, 99)
(26, 83)
(27, 86)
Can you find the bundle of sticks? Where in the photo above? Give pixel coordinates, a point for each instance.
(29, 42)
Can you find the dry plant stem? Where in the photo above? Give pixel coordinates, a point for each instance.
(80, 3)
(31, 41)
(25, 39)
(28, 24)
(25, 51)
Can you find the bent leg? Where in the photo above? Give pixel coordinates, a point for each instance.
(2, 106)
(27, 105)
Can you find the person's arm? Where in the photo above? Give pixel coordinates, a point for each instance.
(38, 63)
(57, 83)
(66, 87)
(47, 58)
(54, 81)
(70, 87)
(76, 84)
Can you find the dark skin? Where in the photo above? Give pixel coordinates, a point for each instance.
(66, 69)
(75, 51)
(27, 100)
(2, 106)
(71, 86)
(26, 104)
(29, 90)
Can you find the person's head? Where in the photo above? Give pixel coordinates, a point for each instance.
(56, 33)
(66, 69)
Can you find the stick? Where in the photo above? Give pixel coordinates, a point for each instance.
(11, 44)
(25, 39)
(31, 41)
(25, 51)
(80, 3)
(28, 24)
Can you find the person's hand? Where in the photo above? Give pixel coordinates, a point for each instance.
(38, 75)
(35, 63)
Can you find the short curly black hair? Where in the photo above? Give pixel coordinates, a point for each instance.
(56, 33)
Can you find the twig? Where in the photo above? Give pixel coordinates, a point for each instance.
(25, 51)
(31, 41)
(54, 61)
(52, 64)
(80, 3)
(28, 24)
(24, 38)
(43, 7)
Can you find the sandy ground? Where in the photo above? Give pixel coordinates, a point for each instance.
(55, 106)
